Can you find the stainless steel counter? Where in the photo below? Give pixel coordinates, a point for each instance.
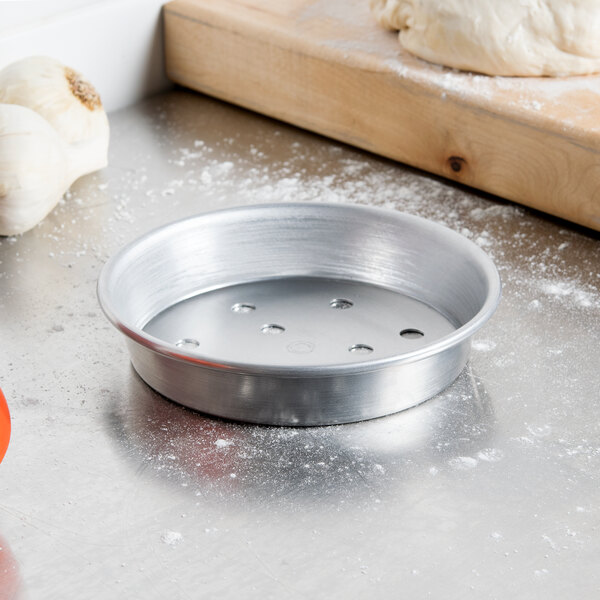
(489, 490)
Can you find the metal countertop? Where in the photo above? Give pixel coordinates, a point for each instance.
(489, 490)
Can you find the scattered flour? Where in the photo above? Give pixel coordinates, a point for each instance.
(539, 431)
(483, 345)
(463, 463)
(221, 443)
(171, 537)
(540, 97)
(490, 455)
(583, 297)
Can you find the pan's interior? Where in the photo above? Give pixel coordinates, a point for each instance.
(299, 284)
(299, 321)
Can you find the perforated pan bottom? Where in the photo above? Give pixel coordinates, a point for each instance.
(300, 321)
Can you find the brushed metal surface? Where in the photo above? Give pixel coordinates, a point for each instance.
(300, 321)
(491, 489)
(236, 293)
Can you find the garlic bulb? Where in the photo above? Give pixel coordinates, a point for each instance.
(34, 171)
(67, 101)
(53, 130)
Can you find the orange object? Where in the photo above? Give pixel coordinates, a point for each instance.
(4, 426)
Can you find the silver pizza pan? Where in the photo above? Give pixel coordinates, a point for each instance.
(299, 314)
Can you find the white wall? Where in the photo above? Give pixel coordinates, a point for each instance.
(19, 13)
(116, 44)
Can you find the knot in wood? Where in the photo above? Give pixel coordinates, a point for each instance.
(457, 163)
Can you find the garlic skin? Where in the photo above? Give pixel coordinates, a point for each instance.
(34, 171)
(67, 101)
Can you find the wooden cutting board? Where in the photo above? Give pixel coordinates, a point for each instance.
(325, 65)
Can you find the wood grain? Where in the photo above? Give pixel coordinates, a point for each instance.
(327, 67)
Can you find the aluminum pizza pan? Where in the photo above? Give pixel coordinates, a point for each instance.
(299, 314)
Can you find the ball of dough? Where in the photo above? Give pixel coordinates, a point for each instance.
(499, 37)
